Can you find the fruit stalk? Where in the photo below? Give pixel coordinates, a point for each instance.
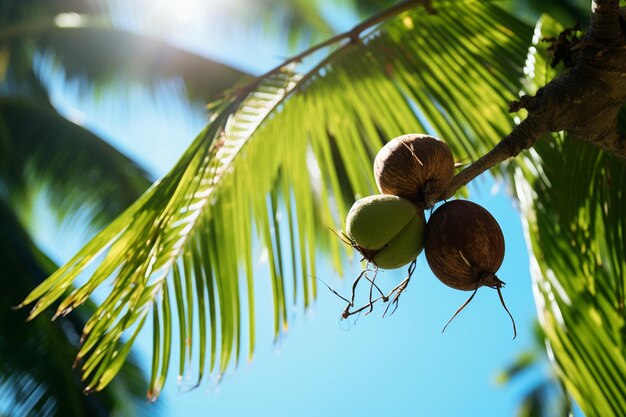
(523, 136)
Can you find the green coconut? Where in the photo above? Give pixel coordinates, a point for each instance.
(388, 230)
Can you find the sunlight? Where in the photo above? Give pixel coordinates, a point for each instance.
(68, 20)
(180, 11)
(180, 15)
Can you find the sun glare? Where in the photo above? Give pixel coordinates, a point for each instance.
(172, 15)
(177, 11)
(189, 22)
(183, 11)
(68, 20)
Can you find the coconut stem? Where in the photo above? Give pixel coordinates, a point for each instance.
(492, 281)
(523, 136)
(460, 309)
(393, 295)
(507, 310)
(352, 36)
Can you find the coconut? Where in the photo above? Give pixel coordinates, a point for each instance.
(415, 166)
(388, 230)
(464, 245)
(464, 248)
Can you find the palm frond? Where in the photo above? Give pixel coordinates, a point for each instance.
(567, 12)
(579, 253)
(545, 397)
(96, 56)
(26, 9)
(80, 38)
(36, 377)
(19, 77)
(78, 169)
(573, 198)
(576, 224)
(300, 22)
(290, 144)
(522, 363)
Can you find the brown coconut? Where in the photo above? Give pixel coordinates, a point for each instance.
(464, 245)
(417, 167)
(464, 248)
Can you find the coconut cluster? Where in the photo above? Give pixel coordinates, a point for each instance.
(410, 171)
(388, 228)
(464, 244)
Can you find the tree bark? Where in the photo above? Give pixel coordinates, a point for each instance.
(584, 102)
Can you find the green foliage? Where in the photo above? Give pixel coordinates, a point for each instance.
(41, 152)
(572, 196)
(577, 226)
(545, 398)
(81, 40)
(96, 54)
(304, 143)
(301, 141)
(78, 170)
(36, 359)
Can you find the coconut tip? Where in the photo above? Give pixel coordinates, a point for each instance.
(506, 308)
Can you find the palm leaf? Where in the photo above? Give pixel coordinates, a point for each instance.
(187, 244)
(36, 378)
(546, 396)
(22, 9)
(18, 75)
(296, 23)
(567, 12)
(78, 169)
(580, 279)
(93, 53)
(100, 55)
(581, 264)
(572, 197)
(300, 22)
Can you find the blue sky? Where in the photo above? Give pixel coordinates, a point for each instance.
(400, 365)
